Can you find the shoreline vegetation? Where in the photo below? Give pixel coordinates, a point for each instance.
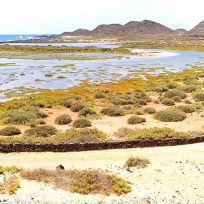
(62, 49)
(169, 98)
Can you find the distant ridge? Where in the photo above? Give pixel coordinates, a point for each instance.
(131, 29)
(198, 30)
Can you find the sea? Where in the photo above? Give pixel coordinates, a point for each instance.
(7, 38)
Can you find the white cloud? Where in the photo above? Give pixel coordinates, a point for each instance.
(51, 16)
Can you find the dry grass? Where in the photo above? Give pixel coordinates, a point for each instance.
(136, 162)
(9, 185)
(80, 181)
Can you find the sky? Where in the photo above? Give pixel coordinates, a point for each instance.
(57, 16)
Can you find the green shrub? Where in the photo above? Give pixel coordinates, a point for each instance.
(77, 107)
(19, 118)
(186, 108)
(80, 181)
(176, 99)
(41, 131)
(170, 115)
(136, 120)
(63, 119)
(87, 111)
(41, 114)
(160, 89)
(188, 88)
(136, 162)
(112, 111)
(149, 110)
(41, 122)
(156, 133)
(81, 123)
(199, 96)
(10, 131)
(124, 133)
(142, 96)
(139, 111)
(82, 135)
(118, 101)
(168, 101)
(100, 95)
(173, 93)
(140, 102)
(66, 103)
(172, 85)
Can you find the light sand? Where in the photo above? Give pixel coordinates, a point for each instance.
(175, 175)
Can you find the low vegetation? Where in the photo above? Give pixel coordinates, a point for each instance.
(41, 131)
(170, 115)
(149, 133)
(9, 185)
(113, 111)
(136, 162)
(82, 135)
(81, 123)
(81, 181)
(10, 131)
(149, 110)
(136, 120)
(63, 119)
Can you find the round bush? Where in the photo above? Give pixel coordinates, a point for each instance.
(140, 102)
(186, 108)
(189, 88)
(168, 101)
(172, 85)
(83, 135)
(66, 103)
(81, 123)
(170, 115)
(41, 114)
(77, 107)
(10, 131)
(149, 110)
(19, 118)
(63, 119)
(112, 111)
(136, 120)
(86, 111)
(173, 93)
(41, 131)
(199, 96)
(118, 101)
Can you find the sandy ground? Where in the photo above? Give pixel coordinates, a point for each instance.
(110, 125)
(175, 175)
(148, 54)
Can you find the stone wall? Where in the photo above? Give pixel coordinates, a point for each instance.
(72, 147)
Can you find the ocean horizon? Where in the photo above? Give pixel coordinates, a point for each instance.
(12, 37)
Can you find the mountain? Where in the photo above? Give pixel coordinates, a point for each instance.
(198, 30)
(131, 29)
(181, 31)
(78, 32)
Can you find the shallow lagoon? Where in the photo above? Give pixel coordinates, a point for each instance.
(49, 73)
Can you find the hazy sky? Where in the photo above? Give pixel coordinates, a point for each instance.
(56, 16)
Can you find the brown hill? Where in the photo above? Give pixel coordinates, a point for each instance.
(131, 29)
(198, 30)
